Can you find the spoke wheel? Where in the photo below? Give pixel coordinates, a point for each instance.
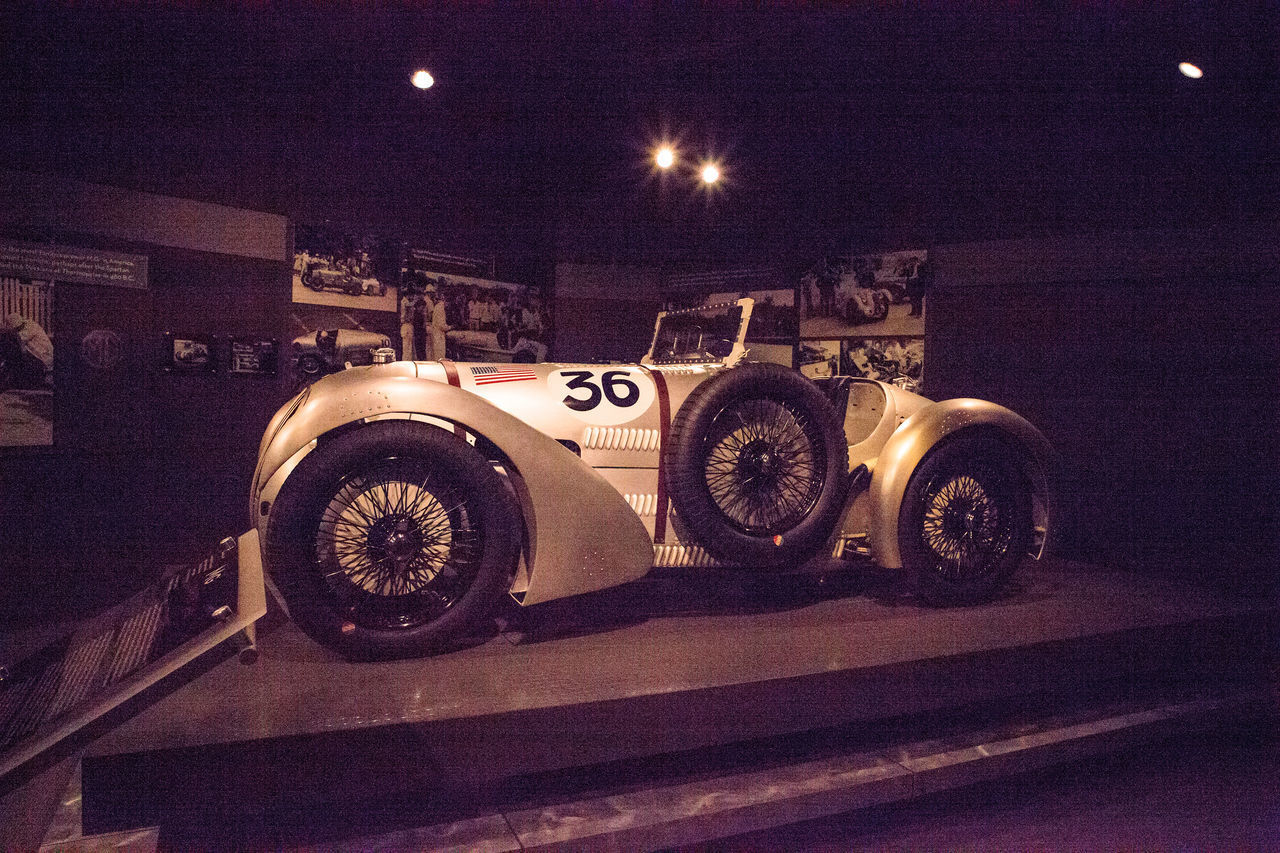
(966, 521)
(964, 527)
(398, 545)
(392, 540)
(764, 465)
(757, 466)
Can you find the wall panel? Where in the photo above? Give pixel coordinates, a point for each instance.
(1150, 361)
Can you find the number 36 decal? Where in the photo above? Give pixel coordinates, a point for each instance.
(604, 396)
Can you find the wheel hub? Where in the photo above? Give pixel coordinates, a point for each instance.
(962, 519)
(758, 464)
(396, 536)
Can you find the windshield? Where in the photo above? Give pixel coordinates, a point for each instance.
(700, 335)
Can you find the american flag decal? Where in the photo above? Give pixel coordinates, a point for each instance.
(492, 375)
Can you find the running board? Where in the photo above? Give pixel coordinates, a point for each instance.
(110, 658)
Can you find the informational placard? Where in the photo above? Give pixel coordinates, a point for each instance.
(253, 355)
(72, 264)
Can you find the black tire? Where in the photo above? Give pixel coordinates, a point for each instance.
(393, 540)
(757, 465)
(310, 365)
(965, 522)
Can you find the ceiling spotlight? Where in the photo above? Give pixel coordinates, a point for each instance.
(710, 173)
(665, 158)
(1189, 70)
(423, 79)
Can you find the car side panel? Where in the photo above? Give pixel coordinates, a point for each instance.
(582, 534)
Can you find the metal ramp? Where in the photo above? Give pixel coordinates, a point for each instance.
(48, 696)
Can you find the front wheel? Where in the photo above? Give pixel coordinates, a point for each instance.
(392, 540)
(965, 522)
(310, 365)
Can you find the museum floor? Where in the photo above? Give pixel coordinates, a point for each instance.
(1087, 709)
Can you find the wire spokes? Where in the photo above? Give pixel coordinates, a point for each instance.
(398, 544)
(966, 527)
(764, 466)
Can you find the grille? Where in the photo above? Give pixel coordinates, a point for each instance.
(614, 438)
(682, 556)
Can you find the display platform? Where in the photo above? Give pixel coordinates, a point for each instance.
(666, 666)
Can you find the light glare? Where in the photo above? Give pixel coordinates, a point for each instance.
(423, 79)
(665, 158)
(1189, 70)
(710, 173)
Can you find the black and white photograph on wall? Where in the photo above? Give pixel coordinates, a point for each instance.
(185, 353)
(878, 294)
(343, 270)
(818, 359)
(896, 360)
(26, 363)
(466, 318)
(326, 340)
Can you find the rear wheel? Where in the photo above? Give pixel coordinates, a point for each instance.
(965, 522)
(392, 540)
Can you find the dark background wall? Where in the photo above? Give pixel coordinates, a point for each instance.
(147, 467)
(605, 312)
(1149, 359)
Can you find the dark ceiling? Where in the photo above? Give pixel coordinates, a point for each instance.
(833, 124)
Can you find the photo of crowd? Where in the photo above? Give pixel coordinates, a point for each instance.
(470, 319)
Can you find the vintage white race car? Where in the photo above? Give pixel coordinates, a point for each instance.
(396, 503)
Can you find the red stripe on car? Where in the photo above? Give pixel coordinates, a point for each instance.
(664, 424)
(451, 373)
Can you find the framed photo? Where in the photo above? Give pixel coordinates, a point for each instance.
(189, 353)
(253, 356)
(819, 359)
(885, 359)
(773, 319)
(881, 294)
(26, 363)
(340, 268)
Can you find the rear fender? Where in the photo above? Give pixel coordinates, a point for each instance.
(920, 434)
(582, 534)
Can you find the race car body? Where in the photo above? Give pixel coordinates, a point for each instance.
(397, 501)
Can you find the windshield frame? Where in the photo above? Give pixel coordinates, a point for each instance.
(736, 351)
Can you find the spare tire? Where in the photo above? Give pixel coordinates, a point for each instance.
(757, 464)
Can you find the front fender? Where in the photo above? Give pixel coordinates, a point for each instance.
(583, 535)
(919, 434)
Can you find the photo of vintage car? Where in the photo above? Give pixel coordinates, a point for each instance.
(397, 503)
(327, 350)
(319, 276)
